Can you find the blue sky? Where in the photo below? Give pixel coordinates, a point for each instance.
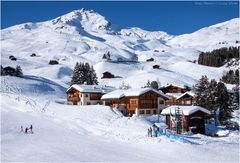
(172, 17)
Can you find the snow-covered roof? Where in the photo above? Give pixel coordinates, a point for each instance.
(187, 110)
(92, 88)
(174, 85)
(114, 94)
(189, 93)
(130, 92)
(175, 95)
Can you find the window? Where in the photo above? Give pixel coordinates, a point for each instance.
(141, 112)
(74, 102)
(134, 102)
(188, 102)
(148, 111)
(154, 111)
(154, 102)
(86, 95)
(146, 102)
(88, 103)
(161, 102)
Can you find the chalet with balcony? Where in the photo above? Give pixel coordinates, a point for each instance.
(86, 94)
(143, 101)
(187, 98)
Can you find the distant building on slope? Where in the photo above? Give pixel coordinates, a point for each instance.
(187, 98)
(156, 67)
(143, 101)
(172, 88)
(107, 75)
(178, 95)
(86, 94)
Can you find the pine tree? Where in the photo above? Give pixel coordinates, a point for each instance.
(148, 85)
(93, 76)
(83, 73)
(154, 85)
(212, 95)
(200, 90)
(87, 74)
(19, 72)
(222, 100)
(234, 98)
(75, 74)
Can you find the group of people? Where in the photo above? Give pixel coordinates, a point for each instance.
(153, 131)
(27, 130)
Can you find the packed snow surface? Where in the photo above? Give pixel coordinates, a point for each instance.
(89, 133)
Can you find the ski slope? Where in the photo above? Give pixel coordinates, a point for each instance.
(88, 133)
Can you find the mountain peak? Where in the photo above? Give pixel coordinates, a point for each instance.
(88, 20)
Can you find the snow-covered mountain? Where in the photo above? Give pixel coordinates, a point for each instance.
(99, 133)
(84, 36)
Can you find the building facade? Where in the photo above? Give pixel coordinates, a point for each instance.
(144, 101)
(86, 94)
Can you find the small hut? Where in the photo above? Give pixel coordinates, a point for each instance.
(181, 119)
(107, 75)
(9, 71)
(150, 60)
(156, 66)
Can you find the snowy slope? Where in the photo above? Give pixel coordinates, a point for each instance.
(89, 133)
(209, 38)
(84, 36)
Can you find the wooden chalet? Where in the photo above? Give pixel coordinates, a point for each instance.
(180, 119)
(144, 101)
(172, 88)
(107, 75)
(86, 94)
(187, 98)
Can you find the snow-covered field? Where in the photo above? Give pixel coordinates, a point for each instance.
(99, 133)
(89, 133)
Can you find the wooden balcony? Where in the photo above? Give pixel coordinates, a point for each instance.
(73, 98)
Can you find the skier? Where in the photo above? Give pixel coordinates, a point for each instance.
(26, 130)
(150, 131)
(21, 129)
(155, 131)
(31, 129)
